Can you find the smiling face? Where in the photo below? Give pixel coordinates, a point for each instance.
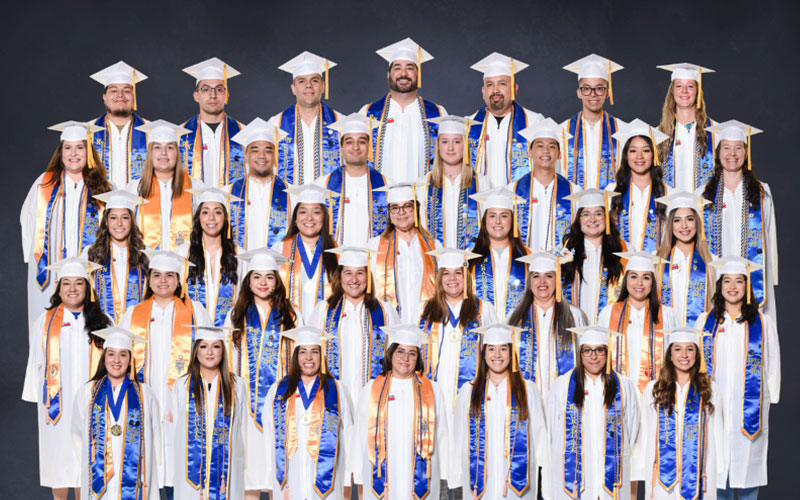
(118, 99)
(683, 355)
(402, 215)
(209, 353)
(451, 148)
(544, 153)
(308, 89)
(639, 285)
(684, 225)
(592, 92)
(498, 223)
(639, 155)
(354, 282)
(404, 360)
(116, 362)
(164, 156)
(260, 156)
(262, 283)
(543, 285)
(685, 93)
(119, 222)
(309, 219)
(402, 76)
(593, 358)
(72, 292)
(498, 358)
(453, 282)
(732, 155)
(210, 95)
(212, 218)
(496, 93)
(309, 357)
(163, 283)
(593, 221)
(73, 156)
(734, 287)
(355, 148)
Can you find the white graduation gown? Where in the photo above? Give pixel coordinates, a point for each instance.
(451, 208)
(356, 217)
(497, 464)
(152, 442)
(591, 150)
(592, 273)
(638, 214)
(308, 297)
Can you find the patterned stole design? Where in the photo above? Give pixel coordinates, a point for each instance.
(559, 207)
(180, 223)
(650, 233)
(516, 158)
(469, 219)
(696, 287)
(576, 152)
(135, 153)
(703, 160)
(373, 341)
(386, 279)
(325, 143)
(377, 202)
(232, 153)
(484, 271)
(652, 351)
(278, 212)
(291, 277)
(113, 301)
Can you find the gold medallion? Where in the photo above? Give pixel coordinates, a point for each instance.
(306, 419)
(116, 430)
(454, 336)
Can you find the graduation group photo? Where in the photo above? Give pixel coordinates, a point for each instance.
(402, 252)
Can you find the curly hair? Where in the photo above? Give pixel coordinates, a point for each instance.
(100, 250)
(749, 309)
(277, 299)
(228, 263)
(664, 388)
(93, 315)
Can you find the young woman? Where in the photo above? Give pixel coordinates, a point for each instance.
(60, 359)
(166, 220)
(404, 271)
(687, 283)
(60, 218)
(213, 278)
(546, 347)
(742, 340)
(500, 436)
(117, 424)
(310, 419)
(353, 316)
(310, 271)
(739, 197)
(593, 419)
(688, 156)
(499, 276)
(120, 282)
(209, 404)
(258, 356)
(639, 182)
(681, 464)
(447, 210)
(450, 318)
(400, 449)
(593, 272)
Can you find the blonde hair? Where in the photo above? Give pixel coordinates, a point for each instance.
(148, 175)
(668, 120)
(438, 168)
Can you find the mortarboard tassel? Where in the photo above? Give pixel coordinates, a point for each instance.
(419, 67)
(225, 83)
(558, 279)
(330, 215)
(416, 214)
(326, 79)
(466, 277)
(183, 282)
(564, 152)
(514, 220)
(608, 219)
(89, 149)
(513, 91)
(703, 367)
(369, 277)
(699, 86)
(467, 155)
(610, 90)
(134, 89)
(656, 161)
(514, 355)
(91, 285)
(749, 159)
(370, 155)
(748, 283)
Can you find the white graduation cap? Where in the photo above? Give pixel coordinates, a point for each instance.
(354, 123)
(594, 66)
(496, 64)
(74, 267)
(683, 199)
(307, 335)
(547, 129)
(75, 131)
(405, 334)
(212, 69)
(259, 130)
(211, 333)
(212, 194)
(453, 124)
(308, 64)
(120, 199)
(263, 259)
(497, 334)
(166, 261)
(638, 127)
(399, 192)
(499, 197)
(687, 334)
(162, 131)
(733, 264)
(352, 256)
(452, 258)
(734, 130)
(641, 261)
(685, 71)
(405, 50)
(120, 72)
(592, 197)
(594, 335)
(310, 193)
(118, 338)
(541, 261)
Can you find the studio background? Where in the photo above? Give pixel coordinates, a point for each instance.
(50, 49)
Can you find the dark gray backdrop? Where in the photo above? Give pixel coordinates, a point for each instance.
(51, 49)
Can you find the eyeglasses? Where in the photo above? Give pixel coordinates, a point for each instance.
(586, 90)
(588, 351)
(205, 89)
(395, 209)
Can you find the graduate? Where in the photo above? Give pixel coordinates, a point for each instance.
(211, 156)
(258, 355)
(592, 152)
(310, 148)
(545, 218)
(209, 405)
(400, 448)
(116, 426)
(450, 318)
(258, 216)
(61, 358)
(592, 272)
(310, 420)
(166, 220)
(60, 217)
(639, 183)
(742, 356)
(499, 276)
(546, 347)
(446, 209)
(681, 423)
(593, 423)
(309, 273)
(353, 316)
(121, 145)
(402, 145)
(403, 268)
(687, 284)
(359, 211)
(639, 317)
(738, 196)
(496, 147)
(688, 154)
(120, 282)
(212, 278)
(500, 436)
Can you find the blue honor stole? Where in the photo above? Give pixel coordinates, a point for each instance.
(208, 463)
(325, 144)
(576, 160)
(192, 143)
(560, 209)
(469, 219)
(373, 341)
(263, 357)
(573, 443)
(379, 111)
(469, 349)
(651, 233)
(692, 454)
(696, 287)
(564, 353)
(517, 163)
(753, 380)
(136, 151)
(703, 160)
(293, 280)
(278, 212)
(516, 432)
(378, 207)
(131, 476)
(226, 293)
(104, 283)
(484, 272)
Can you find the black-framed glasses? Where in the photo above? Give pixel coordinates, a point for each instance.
(207, 89)
(586, 90)
(406, 207)
(588, 351)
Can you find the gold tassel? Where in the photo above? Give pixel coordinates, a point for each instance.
(330, 215)
(748, 283)
(608, 355)
(703, 367)
(225, 83)
(326, 79)
(564, 149)
(91, 286)
(416, 214)
(699, 86)
(466, 155)
(514, 220)
(369, 277)
(608, 219)
(370, 156)
(134, 90)
(610, 90)
(513, 91)
(514, 355)
(89, 150)
(656, 161)
(466, 277)
(749, 159)
(228, 220)
(419, 67)
(558, 280)
(183, 281)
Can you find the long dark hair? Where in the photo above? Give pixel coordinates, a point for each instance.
(245, 299)
(751, 184)
(337, 292)
(293, 377)
(623, 178)
(100, 250)
(749, 309)
(226, 378)
(653, 298)
(436, 309)
(148, 292)
(483, 245)
(329, 261)
(93, 315)
(197, 257)
(609, 384)
(94, 178)
(515, 382)
(664, 388)
(574, 241)
(386, 362)
(100, 371)
(562, 315)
